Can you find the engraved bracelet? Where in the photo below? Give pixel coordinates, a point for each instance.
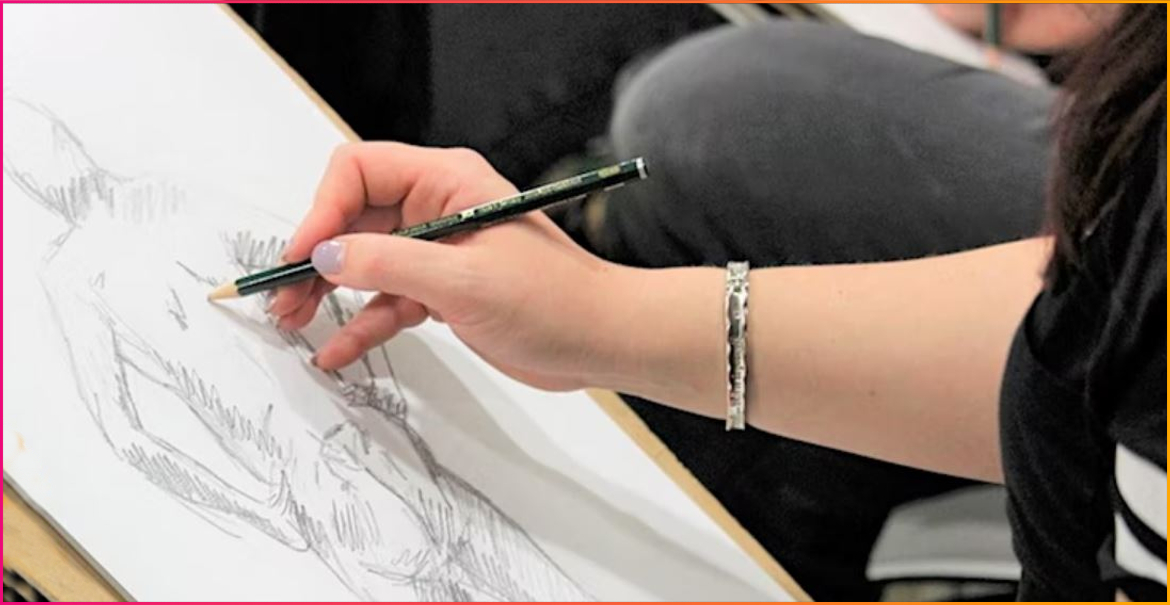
(735, 311)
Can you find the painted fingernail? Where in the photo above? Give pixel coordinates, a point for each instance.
(328, 256)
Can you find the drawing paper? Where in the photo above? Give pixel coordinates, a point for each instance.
(189, 449)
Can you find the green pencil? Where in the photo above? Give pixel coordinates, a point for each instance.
(473, 218)
(993, 32)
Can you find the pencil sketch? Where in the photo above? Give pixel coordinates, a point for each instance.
(363, 494)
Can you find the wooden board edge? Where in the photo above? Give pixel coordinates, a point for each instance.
(35, 549)
(636, 429)
(316, 98)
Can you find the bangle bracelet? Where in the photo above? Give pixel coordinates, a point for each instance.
(735, 311)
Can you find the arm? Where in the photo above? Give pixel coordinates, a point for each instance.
(900, 361)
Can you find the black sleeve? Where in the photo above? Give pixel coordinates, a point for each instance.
(1128, 386)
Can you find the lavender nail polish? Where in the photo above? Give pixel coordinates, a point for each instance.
(328, 257)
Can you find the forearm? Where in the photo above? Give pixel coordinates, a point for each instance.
(900, 361)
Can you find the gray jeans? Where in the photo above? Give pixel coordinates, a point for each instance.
(793, 143)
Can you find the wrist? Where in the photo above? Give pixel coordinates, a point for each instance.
(658, 334)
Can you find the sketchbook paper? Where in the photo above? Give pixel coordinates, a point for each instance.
(153, 151)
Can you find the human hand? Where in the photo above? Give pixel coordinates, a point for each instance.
(520, 294)
(1037, 28)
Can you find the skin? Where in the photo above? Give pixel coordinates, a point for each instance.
(1036, 28)
(900, 361)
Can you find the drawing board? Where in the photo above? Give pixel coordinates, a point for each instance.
(153, 151)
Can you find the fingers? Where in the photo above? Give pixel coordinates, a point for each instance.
(377, 187)
(344, 191)
(381, 319)
(431, 273)
(300, 316)
(378, 174)
(290, 298)
(377, 220)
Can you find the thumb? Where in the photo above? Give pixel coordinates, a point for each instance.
(430, 273)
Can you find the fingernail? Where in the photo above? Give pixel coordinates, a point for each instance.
(328, 256)
(313, 361)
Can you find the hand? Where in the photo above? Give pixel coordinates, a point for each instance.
(520, 294)
(1033, 27)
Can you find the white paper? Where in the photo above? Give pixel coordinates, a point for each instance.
(187, 448)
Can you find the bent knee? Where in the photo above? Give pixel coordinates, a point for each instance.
(731, 86)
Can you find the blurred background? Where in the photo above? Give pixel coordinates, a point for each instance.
(523, 84)
(518, 83)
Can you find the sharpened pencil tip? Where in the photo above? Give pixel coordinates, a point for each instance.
(227, 290)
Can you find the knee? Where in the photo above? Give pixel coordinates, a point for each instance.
(664, 94)
(698, 102)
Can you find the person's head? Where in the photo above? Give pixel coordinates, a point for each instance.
(1108, 128)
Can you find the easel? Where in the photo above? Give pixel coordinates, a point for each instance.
(36, 551)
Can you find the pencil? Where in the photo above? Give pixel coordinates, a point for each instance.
(993, 33)
(473, 218)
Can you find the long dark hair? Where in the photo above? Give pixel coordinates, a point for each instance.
(1114, 102)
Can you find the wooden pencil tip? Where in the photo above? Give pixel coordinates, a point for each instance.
(227, 290)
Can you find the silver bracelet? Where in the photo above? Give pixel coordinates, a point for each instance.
(735, 311)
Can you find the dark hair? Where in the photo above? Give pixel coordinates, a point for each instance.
(1114, 101)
